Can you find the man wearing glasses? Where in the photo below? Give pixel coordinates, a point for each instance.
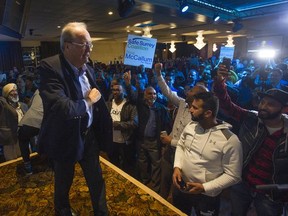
(76, 120)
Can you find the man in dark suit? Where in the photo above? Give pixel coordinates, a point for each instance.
(76, 120)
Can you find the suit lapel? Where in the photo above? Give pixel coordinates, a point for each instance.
(70, 79)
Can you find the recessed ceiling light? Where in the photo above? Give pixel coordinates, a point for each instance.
(173, 34)
(216, 17)
(59, 27)
(183, 6)
(110, 13)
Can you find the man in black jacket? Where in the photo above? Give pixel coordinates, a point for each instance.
(125, 121)
(76, 120)
(264, 138)
(153, 119)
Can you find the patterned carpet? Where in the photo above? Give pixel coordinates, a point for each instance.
(22, 195)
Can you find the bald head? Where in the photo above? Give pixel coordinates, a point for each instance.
(195, 90)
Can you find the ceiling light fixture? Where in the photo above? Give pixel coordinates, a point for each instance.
(147, 33)
(216, 17)
(230, 41)
(183, 5)
(172, 48)
(206, 4)
(200, 43)
(214, 48)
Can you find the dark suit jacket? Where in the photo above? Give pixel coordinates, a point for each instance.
(61, 133)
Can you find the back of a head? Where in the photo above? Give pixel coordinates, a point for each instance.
(195, 90)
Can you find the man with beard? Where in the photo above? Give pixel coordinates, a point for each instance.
(208, 159)
(11, 112)
(264, 138)
(181, 120)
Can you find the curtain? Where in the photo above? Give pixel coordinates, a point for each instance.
(10, 55)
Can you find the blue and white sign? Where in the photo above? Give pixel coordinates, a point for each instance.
(227, 52)
(140, 51)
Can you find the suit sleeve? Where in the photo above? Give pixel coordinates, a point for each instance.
(56, 95)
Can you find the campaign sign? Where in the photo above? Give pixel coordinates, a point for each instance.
(227, 52)
(140, 51)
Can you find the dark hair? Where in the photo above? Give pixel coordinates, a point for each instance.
(118, 81)
(277, 70)
(211, 102)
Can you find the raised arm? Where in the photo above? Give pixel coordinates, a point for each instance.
(166, 91)
(220, 90)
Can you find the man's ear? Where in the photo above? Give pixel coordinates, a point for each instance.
(66, 45)
(285, 109)
(208, 113)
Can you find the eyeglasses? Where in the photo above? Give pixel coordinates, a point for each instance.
(86, 44)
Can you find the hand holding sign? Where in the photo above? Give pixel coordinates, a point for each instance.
(140, 51)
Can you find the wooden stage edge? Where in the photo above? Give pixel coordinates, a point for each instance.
(125, 175)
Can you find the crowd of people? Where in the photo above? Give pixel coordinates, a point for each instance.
(189, 127)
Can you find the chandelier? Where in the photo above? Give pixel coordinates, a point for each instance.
(230, 41)
(214, 48)
(200, 43)
(147, 33)
(172, 48)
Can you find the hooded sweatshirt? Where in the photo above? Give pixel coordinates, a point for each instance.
(212, 157)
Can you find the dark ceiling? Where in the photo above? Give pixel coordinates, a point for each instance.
(42, 17)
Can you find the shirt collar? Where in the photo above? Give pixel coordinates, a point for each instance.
(78, 71)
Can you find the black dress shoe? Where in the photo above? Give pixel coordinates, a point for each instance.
(65, 212)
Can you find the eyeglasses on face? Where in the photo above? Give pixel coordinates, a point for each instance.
(86, 44)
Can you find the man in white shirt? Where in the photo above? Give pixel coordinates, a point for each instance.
(208, 159)
(125, 121)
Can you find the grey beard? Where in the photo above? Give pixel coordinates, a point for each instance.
(14, 99)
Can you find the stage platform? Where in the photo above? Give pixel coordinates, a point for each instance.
(22, 195)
